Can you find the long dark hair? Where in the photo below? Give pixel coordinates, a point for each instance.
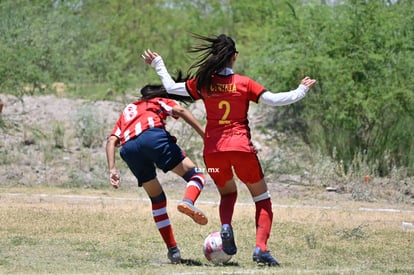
(215, 53)
(156, 90)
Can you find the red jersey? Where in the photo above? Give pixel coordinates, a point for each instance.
(227, 105)
(142, 115)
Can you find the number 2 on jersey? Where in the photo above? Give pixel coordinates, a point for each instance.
(224, 104)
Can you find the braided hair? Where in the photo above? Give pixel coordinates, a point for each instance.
(156, 90)
(215, 54)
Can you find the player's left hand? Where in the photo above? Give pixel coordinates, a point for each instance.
(149, 56)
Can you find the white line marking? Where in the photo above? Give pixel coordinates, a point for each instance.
(86, 197)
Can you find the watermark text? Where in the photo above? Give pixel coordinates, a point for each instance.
(208, 170)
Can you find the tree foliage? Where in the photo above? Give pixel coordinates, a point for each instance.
(360, 51)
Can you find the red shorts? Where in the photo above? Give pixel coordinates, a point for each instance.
(246, 166)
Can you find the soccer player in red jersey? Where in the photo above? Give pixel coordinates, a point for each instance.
(227, 142)
(146, 144)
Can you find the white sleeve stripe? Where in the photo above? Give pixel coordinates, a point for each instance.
(138, 128)
(151, 122)
(118, 132)
(166, 107)
(126, 135)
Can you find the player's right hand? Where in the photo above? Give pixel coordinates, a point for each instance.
(308, 82)
(114, 179)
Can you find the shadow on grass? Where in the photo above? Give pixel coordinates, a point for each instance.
(191, 262)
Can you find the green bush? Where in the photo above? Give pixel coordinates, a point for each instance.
(361, 53)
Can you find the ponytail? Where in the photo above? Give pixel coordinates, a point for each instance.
(215, 54)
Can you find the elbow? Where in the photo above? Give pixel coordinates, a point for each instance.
(179, 111)
(112, 141)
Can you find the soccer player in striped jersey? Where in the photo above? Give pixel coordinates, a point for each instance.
(146, 144)
(227, 142)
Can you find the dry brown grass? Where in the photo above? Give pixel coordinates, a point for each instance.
(93, 232)
(58, 215)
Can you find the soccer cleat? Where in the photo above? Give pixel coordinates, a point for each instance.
(193, 212)
(174, 255)
(227, 238)
(264, 257)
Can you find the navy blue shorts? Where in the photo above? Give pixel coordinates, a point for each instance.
(154, 147)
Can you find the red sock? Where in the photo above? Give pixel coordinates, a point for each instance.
(162, 221)
(226, 208)
(264, 218)
(194, 187)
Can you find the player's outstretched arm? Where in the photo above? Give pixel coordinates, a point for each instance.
(172, 87)
(285, 98)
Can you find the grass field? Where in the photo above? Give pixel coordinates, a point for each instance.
(75, 231)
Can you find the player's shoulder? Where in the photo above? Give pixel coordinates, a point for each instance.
(242, 77)
(157, 100)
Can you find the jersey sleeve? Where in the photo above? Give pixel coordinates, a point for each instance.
(116, 131)
(191, 86)
(255, 90)
(167, 107)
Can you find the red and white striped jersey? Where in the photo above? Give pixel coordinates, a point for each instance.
(142, 115)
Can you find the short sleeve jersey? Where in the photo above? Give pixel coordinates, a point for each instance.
(142, 115)
(227, 104)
